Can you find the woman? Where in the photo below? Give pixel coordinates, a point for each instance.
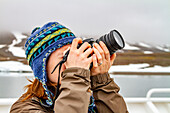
(44, 49)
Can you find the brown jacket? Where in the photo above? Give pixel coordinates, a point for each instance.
(75, 95)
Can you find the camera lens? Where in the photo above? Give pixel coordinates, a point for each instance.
(118, 39)
(113, 41)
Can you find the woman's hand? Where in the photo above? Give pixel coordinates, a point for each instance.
(79, 57)
(102, 61)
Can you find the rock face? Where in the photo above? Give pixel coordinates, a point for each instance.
(6, 38)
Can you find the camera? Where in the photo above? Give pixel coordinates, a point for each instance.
(112, 40)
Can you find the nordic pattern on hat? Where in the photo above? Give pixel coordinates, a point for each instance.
(39, 41)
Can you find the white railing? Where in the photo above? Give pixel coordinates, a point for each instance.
(150, 102)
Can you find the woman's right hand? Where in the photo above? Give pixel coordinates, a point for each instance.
(79, 57)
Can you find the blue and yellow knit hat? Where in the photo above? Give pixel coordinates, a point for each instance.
(42, 42)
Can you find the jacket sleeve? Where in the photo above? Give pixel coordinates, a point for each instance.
(75, 95)
(105, 92)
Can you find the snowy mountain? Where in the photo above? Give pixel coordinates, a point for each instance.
(12, 52)
(146, 48)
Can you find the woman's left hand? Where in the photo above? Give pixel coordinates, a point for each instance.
(102, 61)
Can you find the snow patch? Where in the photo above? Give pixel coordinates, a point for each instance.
(144, 45)
(128, 47)
(148, 52)
(1, 46)
(14, 66)
(157, 68)
(17, 51)
(138, 68)
(163, 49)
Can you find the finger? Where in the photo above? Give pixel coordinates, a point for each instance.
(97, 46)
(106, 51)
(84, 46)
(87, 52)
(98, 55)
(90, 59)
(95, 64)
(112, 58)
(75, 43)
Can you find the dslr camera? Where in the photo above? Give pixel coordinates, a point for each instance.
(112, 40)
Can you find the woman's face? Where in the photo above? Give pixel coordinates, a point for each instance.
(53, 60)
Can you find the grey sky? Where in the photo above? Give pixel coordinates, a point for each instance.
(137, 20)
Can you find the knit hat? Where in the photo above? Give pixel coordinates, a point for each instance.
(42, 42)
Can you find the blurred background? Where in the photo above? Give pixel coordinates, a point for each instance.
(142, 65)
